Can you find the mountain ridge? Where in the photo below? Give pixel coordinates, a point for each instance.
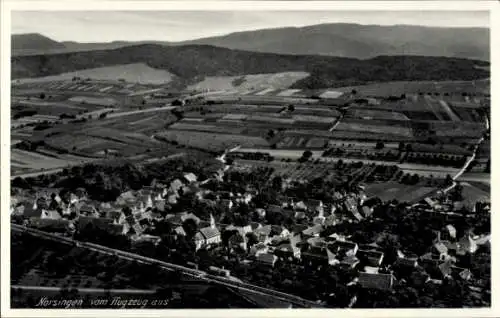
(330, 39)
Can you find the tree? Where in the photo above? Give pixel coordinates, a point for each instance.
(291, 108)
(42, 95)
(409, 148)
(379, 145)
(177, 102)
(190, 227)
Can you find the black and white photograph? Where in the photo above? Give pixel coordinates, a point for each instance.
(245, 159)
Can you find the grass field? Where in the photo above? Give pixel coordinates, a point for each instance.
(212, 141)
(403, 193)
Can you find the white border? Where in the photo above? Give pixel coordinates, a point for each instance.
(8, 5)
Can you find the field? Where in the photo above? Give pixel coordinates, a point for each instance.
(398, 88)
(356, 126)
(212, 141)
(207, 128)
(249, 83)
(105, 101)
(472, 193)
(134, 73)
(25, 161)
(375, 114)
(403, 193)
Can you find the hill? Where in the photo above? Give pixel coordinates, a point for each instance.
(33, 42)
(338, 39)
(361, 41)
(199, 61)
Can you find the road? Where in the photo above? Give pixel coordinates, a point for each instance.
(466, 165)
(133, 112)
(199, 275)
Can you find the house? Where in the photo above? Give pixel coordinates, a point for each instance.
(50, 214)
(87, 209)
(95, 222)
(376, 281)
(314, 230)
(175, 185)
(466, 245)
(349, 262)
(286, 251)
(372, 258)
(242, 230)
(439, 250)
(208, 235)
(179, 230)
(51, 225)
(316, 241)
(146, 238)
(263, 233)
(259, 248)
(300, 206)
(419, 278)
(404, 261)
(344, 247)
(330, 220)
(190, 177)
(449, 233)
(280, 231)
(267, 259)
(319, 255)
(300, 215)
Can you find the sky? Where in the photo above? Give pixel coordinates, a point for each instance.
(106, 26)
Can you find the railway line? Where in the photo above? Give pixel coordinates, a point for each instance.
(192, 273)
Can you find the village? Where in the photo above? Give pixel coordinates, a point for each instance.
(229, 233)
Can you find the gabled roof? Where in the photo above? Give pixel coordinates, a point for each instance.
(267, 258)
(209, 232)
(263, 230)
(441, 247)
(313, 230)
(376, 280)
(190, 177)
